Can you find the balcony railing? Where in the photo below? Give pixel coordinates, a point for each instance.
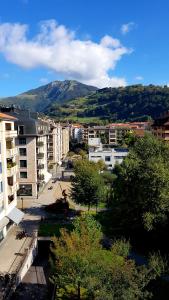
(40, 155)
(11, 152)
(50, 158)
(13, 188)
(12, 171)
(10, 133)
(41, 177)
(50, 149)
(40, 166)
(40, 144)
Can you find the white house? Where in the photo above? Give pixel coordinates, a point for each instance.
(109, 156)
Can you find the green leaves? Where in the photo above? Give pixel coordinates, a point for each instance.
(87, 185)
(142, 184)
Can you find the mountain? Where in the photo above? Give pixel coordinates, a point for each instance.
(55, 92)
(129, 103)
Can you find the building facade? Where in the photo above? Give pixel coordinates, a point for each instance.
(9, 214)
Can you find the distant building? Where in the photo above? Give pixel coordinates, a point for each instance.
(114, 133)
(9, 214)
(109, 156)
(160, 127)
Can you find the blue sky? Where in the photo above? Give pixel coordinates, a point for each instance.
(103, 43)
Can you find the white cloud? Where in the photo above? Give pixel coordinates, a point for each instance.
(125, 28)
(56, 48)
(139, 78)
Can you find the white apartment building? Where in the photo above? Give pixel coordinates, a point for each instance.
(65, 141)
(54, 146)
(109, 156)
(9, 214)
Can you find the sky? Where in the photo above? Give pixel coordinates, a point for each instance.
(100, 43)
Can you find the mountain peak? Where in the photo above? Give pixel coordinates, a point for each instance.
(54, 92)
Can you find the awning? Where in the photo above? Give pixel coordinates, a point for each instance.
(16, 215)
(3, 223)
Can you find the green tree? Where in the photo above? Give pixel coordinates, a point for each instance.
(83, 269)
(87, 184)
(141, 188)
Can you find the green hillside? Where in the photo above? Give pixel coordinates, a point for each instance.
(115, 104)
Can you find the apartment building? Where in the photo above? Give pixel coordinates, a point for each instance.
(110, 156)
(32, 151)
(9, 214)
(65, 141)
(54, 146)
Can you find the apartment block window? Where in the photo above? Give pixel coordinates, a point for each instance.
(0, 168)
(107, 158)
(22, 141)
(1, 187)
(22, 151)
(23, 163)
(23, 174)
(21, 129)
(7, 126)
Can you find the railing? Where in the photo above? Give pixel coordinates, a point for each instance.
(40, 155)
(40, 167)
(40, 144)
(41, 177)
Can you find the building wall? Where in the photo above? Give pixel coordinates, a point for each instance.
(65, 141)
(8, 152)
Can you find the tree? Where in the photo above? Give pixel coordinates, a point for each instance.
(87, 184)
(83, 269)
(141, 188)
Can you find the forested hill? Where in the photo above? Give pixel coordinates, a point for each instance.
(135, 102)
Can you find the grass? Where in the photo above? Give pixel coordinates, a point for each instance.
(49, 229)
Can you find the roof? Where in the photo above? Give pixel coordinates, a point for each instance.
(6, 117)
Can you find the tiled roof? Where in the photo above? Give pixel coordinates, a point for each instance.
(6, 117)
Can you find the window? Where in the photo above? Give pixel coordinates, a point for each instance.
(23, 174)
(119, 157)
(22, 151)
(7, 126)
(22, 141)
(1, 187)
(25, 190)
(107, 158)
(0, 168)
(23, 163)
(21, 129)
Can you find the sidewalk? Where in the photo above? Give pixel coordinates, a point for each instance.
(12, 249)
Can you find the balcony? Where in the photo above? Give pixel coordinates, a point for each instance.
(12, 189)
(11, 152)
(40, 144)
(10, 133)
(12, 170)
(50, 157)
(41, 177)
(40, 166)
(50, 149)
(40, 155)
